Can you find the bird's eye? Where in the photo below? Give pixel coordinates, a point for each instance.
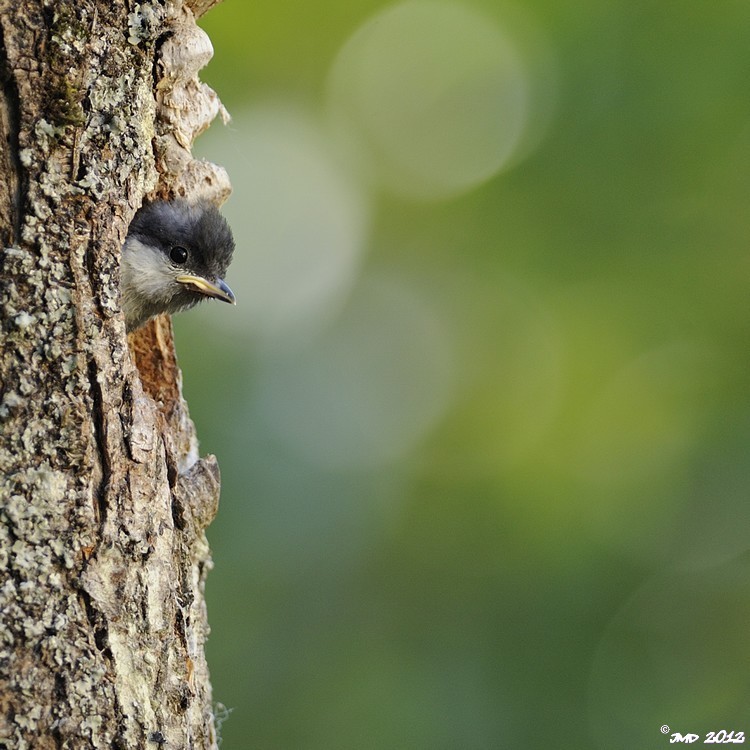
(178, 255)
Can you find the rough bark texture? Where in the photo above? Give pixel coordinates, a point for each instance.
(103, 498)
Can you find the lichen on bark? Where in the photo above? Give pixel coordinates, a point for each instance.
(103, 497)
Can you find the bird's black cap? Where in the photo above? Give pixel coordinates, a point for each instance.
(197, 226)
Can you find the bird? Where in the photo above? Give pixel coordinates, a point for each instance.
(175, 254)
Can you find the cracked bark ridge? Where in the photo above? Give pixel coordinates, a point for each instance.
(185, 107)
(103, 498)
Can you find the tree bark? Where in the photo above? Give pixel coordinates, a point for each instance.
(103, 497)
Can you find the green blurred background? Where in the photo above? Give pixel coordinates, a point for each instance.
(482, 409)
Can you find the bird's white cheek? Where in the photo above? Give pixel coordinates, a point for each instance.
(146, 272)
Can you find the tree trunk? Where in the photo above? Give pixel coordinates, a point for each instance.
(103, 498)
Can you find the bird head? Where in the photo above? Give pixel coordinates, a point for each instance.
(175, 255)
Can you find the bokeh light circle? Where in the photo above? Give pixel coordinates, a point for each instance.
(300, 223)
(432, 95)
(676, 650)
(365, 391)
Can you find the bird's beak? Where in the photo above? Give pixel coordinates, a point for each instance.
(218, 289)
